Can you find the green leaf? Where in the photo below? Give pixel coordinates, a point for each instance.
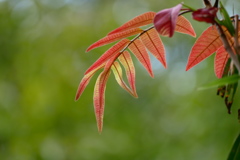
(227, 20)
(191, 8)
(223, 81)
(235, 151)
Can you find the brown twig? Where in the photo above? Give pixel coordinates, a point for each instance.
(207, 3)
(236, 44)
(216, 4)
(228, 47)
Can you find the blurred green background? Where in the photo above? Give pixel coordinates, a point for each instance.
(43, 59)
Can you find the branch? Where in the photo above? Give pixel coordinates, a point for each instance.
(228, 47)
(236, 44)
(207, 3)
(216, 4)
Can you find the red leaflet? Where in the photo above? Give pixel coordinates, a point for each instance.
(108, 54)
(141, 20)
(99, 97)
(220, 61)
(165, 20)
(207, 15)
(184, 26)
(117, 70)
(154, 44)
(114, 37)
(206, 45)
(127, 63)
(138, 49)
(99, 91)
(222, 57)
(84, 82)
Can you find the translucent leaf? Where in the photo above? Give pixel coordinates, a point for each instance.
(154, 44)
(184, 26)
(141, 20)
(220, 61)
(108, 54)
(117, 70)
(138, 49)
(99, 91)
(114, 37)
(206, 45)
(99, 97)
(127, 63)
(85, 80)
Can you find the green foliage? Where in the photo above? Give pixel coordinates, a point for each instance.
(220, 82)
(226, 20)
(235, 152)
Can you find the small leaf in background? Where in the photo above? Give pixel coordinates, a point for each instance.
(138, 49)
(207, 15)
(221, 82)
(235, 151)
(165, 20)
(141, 20)
(226, 20)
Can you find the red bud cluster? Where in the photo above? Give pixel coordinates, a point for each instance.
(207, 15)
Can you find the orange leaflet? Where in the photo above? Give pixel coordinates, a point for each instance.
(127, 63)
(99, 97)
(114, 37)
(220, 61)
(108, 54)
(84, 82)
(117, 70)
(206, 45)
(99, 92)
(141, 20)
(222, 57)
(154, 44)
(184, 26)
(138, 49)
